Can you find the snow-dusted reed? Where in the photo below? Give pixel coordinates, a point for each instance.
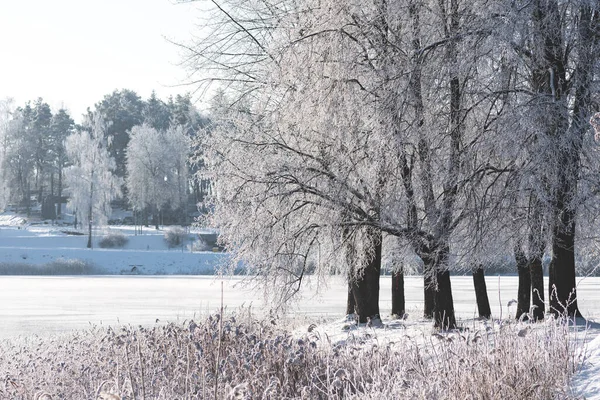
(244, 358)
(61, 266)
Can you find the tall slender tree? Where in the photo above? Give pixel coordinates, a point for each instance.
(62, 126)
(91, 176)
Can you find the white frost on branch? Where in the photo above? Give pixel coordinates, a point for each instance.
(157, 171)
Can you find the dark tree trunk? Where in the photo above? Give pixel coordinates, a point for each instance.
(537, 288)
(398, 301)
(443, 310)
(350, 303)
(428, 288)
(563, 295)
(89, 243)
(365, 289)
(437, 282)
(483, 302)
(59, 193)
(524, 291)
(28, 200)
(39, 185)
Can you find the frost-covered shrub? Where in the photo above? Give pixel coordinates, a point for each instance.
(175, 236)
(199, 243)
(113, 240)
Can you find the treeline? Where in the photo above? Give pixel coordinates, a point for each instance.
(36, 154)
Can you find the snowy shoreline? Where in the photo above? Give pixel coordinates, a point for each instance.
(44, 245)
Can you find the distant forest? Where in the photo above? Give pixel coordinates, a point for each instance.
(42, 167)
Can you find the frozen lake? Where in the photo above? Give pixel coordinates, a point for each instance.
(46, 305)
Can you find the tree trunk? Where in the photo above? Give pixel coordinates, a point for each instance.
(443, 310)
(398, 301)
(524, 290)
(28, 200)
(59, 193)
(90, 211)
(428, 288)
(89, 243)
(38, 184)
(537, 288)
(563, 295)
(483, 302)
(365, 288)
(437, 283)
(350, 303)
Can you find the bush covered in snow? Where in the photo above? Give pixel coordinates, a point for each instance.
(175, 236)
(113, 240)
(242, 358)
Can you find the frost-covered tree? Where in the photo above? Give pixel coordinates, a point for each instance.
(179, 149)
(6, 116)
(157, 168)
(20, 155)
(91, 176)
(41, 132)
(552, 50)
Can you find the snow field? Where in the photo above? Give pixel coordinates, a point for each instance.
(147, 252)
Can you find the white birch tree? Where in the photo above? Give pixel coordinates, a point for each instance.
(90, 177)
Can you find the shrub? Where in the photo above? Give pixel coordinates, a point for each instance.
(113, 240)
(200, 245)
(175, 236)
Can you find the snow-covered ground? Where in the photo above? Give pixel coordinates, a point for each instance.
(147, 252)
(57, 304)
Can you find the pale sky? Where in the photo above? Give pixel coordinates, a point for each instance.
(73, 52)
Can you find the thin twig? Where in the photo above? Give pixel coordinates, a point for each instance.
(129, 371)
(219, 344)
(142, 371)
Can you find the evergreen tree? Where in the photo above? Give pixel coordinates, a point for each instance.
(62, 126)
(156, 113)
(122, 110)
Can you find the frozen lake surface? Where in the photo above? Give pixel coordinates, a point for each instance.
(46, 305)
